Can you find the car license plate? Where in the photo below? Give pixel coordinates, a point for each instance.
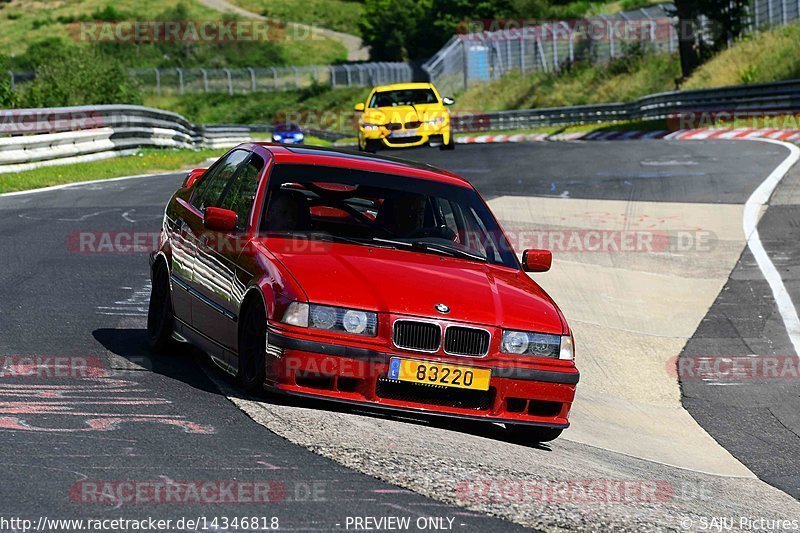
(460, 377)
(403, 133)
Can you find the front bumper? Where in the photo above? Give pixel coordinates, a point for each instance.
(422, 137)
(357, 375)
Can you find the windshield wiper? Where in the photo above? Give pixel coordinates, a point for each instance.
(347, 240)
(432, 247)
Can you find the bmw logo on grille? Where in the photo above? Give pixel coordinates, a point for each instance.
(442, 308)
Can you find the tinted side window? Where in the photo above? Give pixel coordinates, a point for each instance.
(209, 191)
(242, 192)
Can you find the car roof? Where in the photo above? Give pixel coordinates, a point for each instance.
(314, 155)
(404, 86)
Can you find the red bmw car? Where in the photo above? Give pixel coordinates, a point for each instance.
(361, 279)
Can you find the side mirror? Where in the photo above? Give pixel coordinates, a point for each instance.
(448, 101)
(217, 219)
(359, 107)
(537, 260)
(192, 177)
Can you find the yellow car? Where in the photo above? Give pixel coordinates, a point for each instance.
(404, 115)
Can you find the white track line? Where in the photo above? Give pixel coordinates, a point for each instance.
(97, 181)
(752, 209)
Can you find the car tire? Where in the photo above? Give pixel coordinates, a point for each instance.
(160, 318)
(449, 146)
(252, 346)
(371, 147)
(533, 434)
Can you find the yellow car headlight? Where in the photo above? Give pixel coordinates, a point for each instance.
(435, 122)
(370, 127)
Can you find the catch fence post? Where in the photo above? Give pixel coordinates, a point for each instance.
(230, 81)
(252, 79)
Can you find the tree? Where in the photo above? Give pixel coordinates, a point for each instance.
(80, 75)
(398, 30)
(727, 21)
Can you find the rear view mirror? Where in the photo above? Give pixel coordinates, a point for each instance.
(216, 219)
(359, 106)
(448, 101)
(537, 260)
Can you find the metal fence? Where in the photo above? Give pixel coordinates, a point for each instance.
(767, 13)
(477, 57)
(248, 80)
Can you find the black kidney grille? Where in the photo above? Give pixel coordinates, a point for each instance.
(417, 335)
(466, 341)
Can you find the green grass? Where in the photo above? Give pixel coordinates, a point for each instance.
(766, 57)
(340, 15)
(623, 80)
(146, 161)
(24, 22)
(307, 106)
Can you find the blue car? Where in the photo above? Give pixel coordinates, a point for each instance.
(288, 133)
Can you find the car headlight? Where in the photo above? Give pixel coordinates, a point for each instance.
(370, 127)
(299, 136)
(438, 121)
(276, 138)
(332, 318)
(538, 344)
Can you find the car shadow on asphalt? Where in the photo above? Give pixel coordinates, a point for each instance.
(191, 366)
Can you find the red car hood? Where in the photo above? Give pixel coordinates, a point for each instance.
(412, 283)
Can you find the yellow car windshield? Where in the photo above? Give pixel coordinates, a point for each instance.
(402, 97)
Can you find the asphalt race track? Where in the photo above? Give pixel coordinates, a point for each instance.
(709, 450)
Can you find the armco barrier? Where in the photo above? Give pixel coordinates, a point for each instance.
(31, 138)
(776, 97)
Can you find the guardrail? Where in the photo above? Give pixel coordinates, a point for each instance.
(31, 138)
(767, 97)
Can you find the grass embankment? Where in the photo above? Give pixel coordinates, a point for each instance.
(145, 162)
(767, 57)
(339, 15)
(621, 80)
(25, 22)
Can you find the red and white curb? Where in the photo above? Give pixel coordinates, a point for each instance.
(699, 134)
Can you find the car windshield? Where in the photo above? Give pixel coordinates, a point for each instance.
(285, 128)
(368, 208)
(403, 97)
